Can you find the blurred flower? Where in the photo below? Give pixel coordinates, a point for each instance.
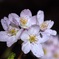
(53, 40)
(47, 51)
(11, 33)
(51, 49)
(45, 25)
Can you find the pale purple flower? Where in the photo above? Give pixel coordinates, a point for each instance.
(26, 19)
(32, 41)
(11, 33)
(45, 26)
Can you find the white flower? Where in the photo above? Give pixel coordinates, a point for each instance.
(45, 26)
(32, 41)
(26, 19)
(11, 33)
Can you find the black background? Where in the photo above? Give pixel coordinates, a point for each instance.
(50, 8)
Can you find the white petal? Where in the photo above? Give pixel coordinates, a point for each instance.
(50, 23)
(34, 30)
(40, 17)
(5, 23)
(26, 12)
(26, 47)
(3, 36)
(14, 18)
(50, 32)
(24, 35)
(9, 44)
(42, 39)
(11, 40)
(19, 33)
(37, 50)
(33, 20)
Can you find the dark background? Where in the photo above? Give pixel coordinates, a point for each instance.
(50, 8)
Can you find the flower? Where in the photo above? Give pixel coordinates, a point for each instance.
(32, 30)
(51, 49)
(26, 19)
(32, 41)
(11, 33)
(47, 52)
(45, 26)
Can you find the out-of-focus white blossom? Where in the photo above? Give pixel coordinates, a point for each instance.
(51, 49)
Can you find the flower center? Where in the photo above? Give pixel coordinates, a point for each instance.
(56, 55)
(43, 26)
(12, 32)
(45, 51)
(32, 38)
(23, 21)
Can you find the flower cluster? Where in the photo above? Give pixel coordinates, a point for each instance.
(51, 48)
(32, 30)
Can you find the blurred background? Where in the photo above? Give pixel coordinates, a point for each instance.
(50, 8)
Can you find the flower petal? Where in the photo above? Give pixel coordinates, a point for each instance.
(40, 17)
(19, 33)
(50, 32)
(33, 20)
(24, 36)
(14, 18)
(26, 47)
(42, 39)
(34, 30)
(3, 36)
(5, 23)
(26, 12)
(37, 50)
(11, 40)
(50, 23)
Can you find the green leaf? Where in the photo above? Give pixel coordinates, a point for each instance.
(11, 56)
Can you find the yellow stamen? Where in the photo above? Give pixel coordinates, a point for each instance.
(12, 32)
(43, 26)
(32, 38)
(56, 55)
(45, 51)
(23, 21)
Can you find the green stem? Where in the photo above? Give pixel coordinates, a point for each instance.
(20, 55)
